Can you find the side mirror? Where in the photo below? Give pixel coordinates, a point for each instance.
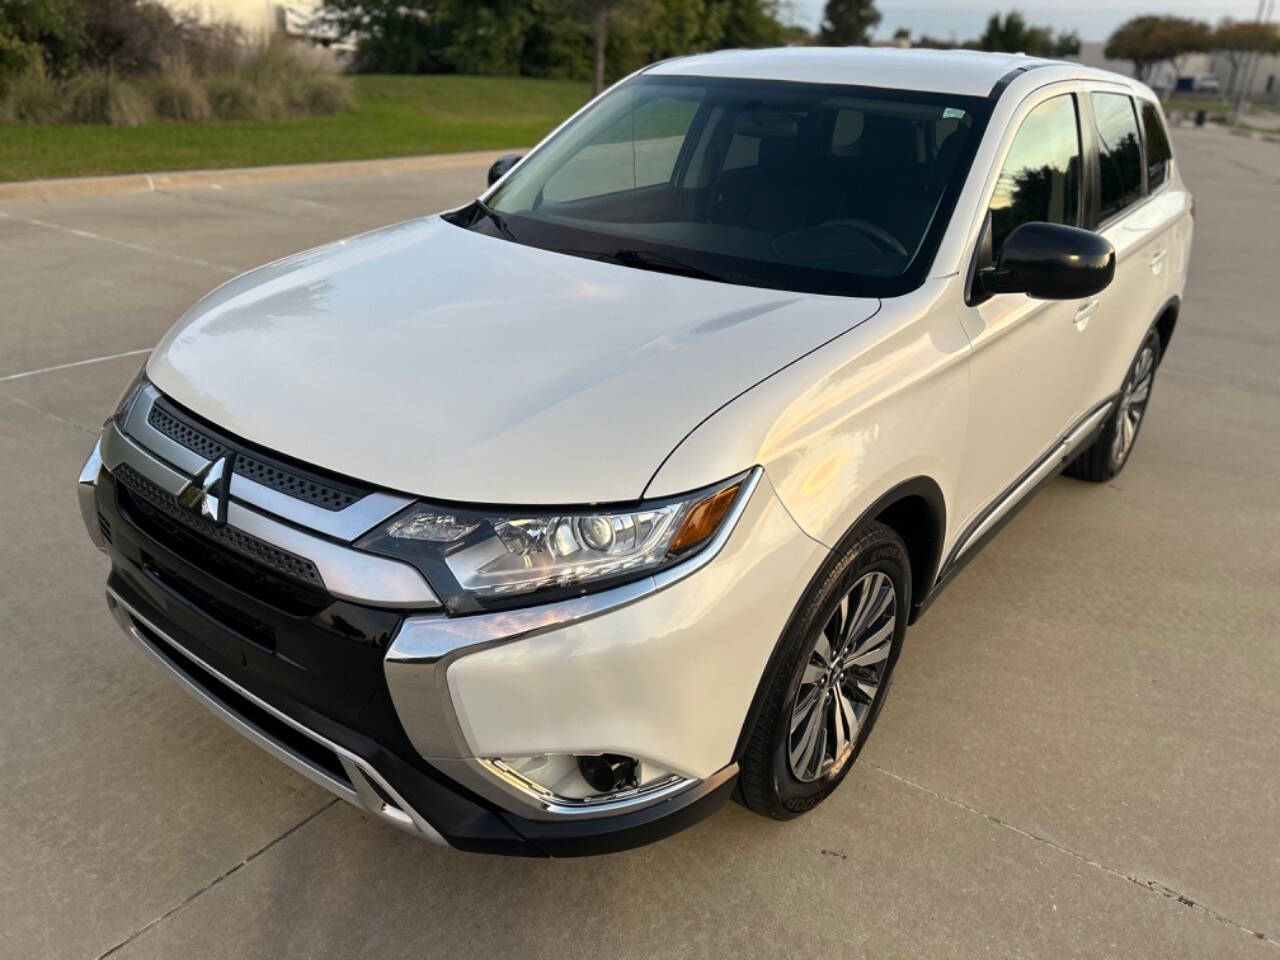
(1050, 261)
(501, 166)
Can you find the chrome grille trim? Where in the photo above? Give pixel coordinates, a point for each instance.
(149, 426)
(345, 573)
(279, 561)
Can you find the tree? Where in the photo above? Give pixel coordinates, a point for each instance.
(1012, 34)
(1148, 41)
(396, 36)
(751, 23)
(1066, 44)
(848, 23)
(1238, 41)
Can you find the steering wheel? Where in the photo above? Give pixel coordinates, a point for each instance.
(877, 235)
(882, 237)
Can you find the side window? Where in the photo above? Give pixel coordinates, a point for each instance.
(640, 150)
(1158, 152)
(1119, 152)
(1040, 179)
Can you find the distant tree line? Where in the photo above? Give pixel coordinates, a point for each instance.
(574, 39)
(1149, 41)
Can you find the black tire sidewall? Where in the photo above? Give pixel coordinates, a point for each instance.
(877, 548)
(1152, 339)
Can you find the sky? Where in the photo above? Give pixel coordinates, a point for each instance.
(964, 19)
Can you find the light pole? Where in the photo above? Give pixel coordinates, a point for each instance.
(1265, 8)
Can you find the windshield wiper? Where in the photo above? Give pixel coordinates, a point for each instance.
(498, 220)
(652, 260)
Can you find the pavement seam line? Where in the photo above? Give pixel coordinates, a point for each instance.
(46, 413)
(74, 363)
(1155, 886)
(138, 247)
(217, 880)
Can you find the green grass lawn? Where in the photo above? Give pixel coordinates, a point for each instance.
(393, 116)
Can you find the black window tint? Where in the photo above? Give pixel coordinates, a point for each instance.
(1040, 179)
(1119, 153)
(1158, 152)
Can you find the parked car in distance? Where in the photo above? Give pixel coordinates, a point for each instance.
(544, 525)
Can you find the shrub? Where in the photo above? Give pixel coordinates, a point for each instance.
(326, 93)
(32, 97)
(285, 70)
(177, 94)
(233, 96)
(100, 96)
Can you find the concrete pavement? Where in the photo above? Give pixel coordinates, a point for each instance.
(1081, 756)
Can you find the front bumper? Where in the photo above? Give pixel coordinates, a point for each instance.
(400, 711)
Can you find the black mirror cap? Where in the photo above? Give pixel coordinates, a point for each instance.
(1051, 261)
(502, 165)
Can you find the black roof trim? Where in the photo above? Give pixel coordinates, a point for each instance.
(1009, 77)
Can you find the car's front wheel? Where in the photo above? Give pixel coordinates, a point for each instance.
(830, 678)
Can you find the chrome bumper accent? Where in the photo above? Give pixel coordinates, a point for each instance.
(347, 573)
(87, 491)
(358, 790)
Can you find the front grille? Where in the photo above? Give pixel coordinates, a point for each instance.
(254, 464)
(273, 558)
(292, 484)
(185, 434)
(104, 525)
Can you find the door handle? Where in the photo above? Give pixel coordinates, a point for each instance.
(1157, 260)
(1084, 312)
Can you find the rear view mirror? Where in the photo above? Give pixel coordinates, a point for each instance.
(501, 166)
(1050, 261)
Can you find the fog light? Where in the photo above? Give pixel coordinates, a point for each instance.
(608, 772)
(564, 783)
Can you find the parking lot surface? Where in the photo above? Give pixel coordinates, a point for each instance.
(1080, 758)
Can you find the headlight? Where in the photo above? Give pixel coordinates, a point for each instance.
(130, 394)
(486, 559)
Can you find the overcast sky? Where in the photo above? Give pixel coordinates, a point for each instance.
(963, 19)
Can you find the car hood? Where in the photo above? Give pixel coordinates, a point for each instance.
(427, 358)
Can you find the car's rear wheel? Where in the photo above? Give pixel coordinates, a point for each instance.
(831, 677)
(1109, 452)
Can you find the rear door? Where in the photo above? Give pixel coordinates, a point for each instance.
(1136, 210)
(1030, 357)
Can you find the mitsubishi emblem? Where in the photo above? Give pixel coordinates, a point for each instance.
(207, 493)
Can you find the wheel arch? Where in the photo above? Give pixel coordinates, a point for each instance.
(1165, 321)
(915, 509)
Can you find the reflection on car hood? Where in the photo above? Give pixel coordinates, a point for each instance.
(426, 358)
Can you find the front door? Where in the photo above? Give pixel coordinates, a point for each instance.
(1030, 357)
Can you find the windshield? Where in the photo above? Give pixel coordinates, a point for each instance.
(813, 187)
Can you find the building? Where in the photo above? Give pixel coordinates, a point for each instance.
(262, 18)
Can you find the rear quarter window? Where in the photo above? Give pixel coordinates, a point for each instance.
(1159, 153)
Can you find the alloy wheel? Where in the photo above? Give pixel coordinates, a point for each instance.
(1133, 404)
(842, 678)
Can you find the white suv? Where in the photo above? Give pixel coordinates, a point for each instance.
(544, 525)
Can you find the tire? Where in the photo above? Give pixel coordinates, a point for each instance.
(1106, 456)
(778, 775)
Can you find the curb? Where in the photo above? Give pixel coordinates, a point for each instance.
(241, 176)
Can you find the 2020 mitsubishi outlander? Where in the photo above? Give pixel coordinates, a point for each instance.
(543, 525)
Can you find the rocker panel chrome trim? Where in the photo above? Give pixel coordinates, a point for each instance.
(1049, 463)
